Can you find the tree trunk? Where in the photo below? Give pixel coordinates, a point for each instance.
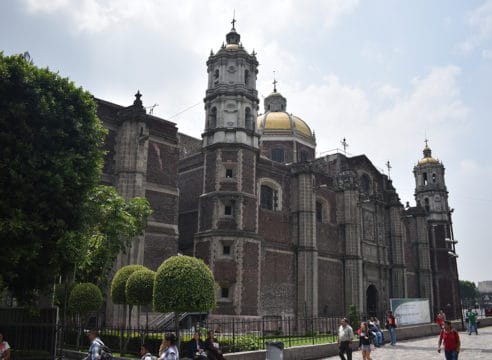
(176, 324)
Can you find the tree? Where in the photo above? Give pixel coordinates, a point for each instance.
(112, 224)
(50, 160)
(118, 285)
(469, 292)
(353, 315)
(183, 284)
(139, 289)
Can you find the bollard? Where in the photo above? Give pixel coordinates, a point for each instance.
(275, 350)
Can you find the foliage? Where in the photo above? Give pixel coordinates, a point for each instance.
(468, 290)
(118, 285)
(84, 298)
(353, 316)
(183, 284)
(140, 287)
(61, 291)
(113, 223)
(50, 159)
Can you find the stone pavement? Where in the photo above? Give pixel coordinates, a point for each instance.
(473, 347)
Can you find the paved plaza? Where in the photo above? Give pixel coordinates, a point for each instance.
(472, 347)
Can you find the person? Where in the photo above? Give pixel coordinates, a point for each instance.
(451, 340)
(95, 346)
(440, 320)
(345, 337)
(378, 335)
(391, 325)
(212, 347)
(168, 349)
(4, 348)
(196, 347)
(145, 352)
(472, 321)
(365, 340)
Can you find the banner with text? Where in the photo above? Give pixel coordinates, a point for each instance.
(411, 311)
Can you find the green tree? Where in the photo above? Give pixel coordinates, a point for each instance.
(140, 289)
(183, 284)
(469, 292)
(353, 316)
(118, 286)
(50, 160)
(112, 224)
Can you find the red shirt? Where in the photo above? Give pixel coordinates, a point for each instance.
(450, 339)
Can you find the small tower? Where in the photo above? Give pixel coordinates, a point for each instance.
(227, 237)
(430, 189)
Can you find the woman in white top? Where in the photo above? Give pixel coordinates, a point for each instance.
(4, 349)
(168, 349)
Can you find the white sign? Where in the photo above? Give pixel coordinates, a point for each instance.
(411, 311)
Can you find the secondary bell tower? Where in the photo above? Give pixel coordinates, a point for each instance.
(227, 237)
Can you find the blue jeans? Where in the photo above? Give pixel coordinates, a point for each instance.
(392, 335)
(472, 327)
(451, 355)
(378, 338)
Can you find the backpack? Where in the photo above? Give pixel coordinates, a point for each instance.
(105, 352)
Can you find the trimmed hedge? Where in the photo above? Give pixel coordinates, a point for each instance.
(182, 284)
(140, 287)
(118, 285)
(84, 298)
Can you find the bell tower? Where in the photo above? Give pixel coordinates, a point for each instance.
(431, 195)
(227, 237)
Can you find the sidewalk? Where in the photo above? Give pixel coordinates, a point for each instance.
(473, 347)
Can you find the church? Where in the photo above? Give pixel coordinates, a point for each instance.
(284, 233)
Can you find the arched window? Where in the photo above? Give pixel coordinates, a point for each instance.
(270, 194)
(322, 210)
(212, 120)
(434, 178)
(246, 77)
(365, 183)
(216, 76)
(426, 204)
(424, 178)
(304, 156)
(247, 119)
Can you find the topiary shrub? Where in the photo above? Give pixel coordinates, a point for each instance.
(84, 298)
(182, 284)
(118, 285)
(140, 287)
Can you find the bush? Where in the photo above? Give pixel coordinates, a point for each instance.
(84, 298)
(353, 316)
(182, 284)
(140, 287)
(118, 285)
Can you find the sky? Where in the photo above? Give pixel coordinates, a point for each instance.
(384, 74)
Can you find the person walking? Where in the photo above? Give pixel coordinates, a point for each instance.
(365, 339)
(451, 340)
(345, 337)
(4, 349)
(391, 325)
(472, 321)
(95, 346)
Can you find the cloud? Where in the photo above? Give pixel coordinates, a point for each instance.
(480, 21)
(487, 54)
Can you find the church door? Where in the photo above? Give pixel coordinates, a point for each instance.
(372, 300)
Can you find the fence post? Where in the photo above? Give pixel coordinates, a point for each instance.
(233, 336)
(312, 328)
(290, 344)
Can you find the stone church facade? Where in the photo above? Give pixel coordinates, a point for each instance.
(285, 233)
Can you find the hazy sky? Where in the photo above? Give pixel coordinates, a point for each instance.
(382, 74)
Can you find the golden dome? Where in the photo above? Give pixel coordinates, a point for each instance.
(427, 159)
(232, 47)
(281, 122)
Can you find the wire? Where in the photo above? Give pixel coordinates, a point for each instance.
(182, 111)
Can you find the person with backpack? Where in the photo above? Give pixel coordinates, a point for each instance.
(365, 340)
(145, 352)
(451, 340)
(97, 349)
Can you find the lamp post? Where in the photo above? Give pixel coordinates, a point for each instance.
(453, 254)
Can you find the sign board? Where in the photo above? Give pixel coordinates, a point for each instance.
(411, 311)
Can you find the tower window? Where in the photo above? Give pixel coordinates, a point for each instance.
(229, 173)
(434, 178)
(319, 211)
(278, 155)
(229, 208)
(365, 183)
(216, 76)
(226, 250)
(246, 77)
(426, 204)
(304, 156)
(224, 292)
(248, 123)
(212, 121)
(424, 178)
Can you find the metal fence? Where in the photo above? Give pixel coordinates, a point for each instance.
(234, 335)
